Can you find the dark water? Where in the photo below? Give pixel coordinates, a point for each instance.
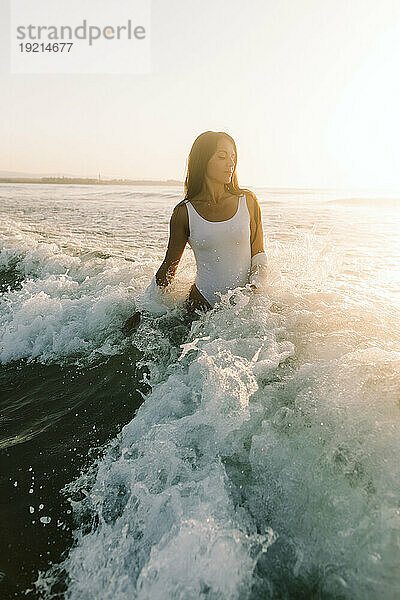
(62, 415)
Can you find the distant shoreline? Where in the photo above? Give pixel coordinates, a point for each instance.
(85, 181)
(175, 183)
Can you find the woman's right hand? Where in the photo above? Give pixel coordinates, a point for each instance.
(131, 324)
(254, 288)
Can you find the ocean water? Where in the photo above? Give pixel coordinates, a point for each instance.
(250, 452)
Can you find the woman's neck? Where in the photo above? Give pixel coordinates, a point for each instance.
(213, 193)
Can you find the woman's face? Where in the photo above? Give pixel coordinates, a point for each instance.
(222, 163)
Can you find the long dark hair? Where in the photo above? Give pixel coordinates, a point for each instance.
(202, 150)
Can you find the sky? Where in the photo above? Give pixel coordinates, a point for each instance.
(309, 90)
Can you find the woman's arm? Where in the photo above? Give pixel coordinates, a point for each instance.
(178, 236)
(257, 233)
(258, 271)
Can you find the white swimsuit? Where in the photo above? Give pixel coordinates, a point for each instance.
(222, 251)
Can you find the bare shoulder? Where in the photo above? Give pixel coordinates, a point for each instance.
(252, 202)
(179, 217)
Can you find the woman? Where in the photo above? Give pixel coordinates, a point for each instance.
(220, 221)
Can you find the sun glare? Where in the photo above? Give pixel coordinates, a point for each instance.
(364, 132)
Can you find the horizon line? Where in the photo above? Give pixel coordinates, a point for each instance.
(73, 180)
